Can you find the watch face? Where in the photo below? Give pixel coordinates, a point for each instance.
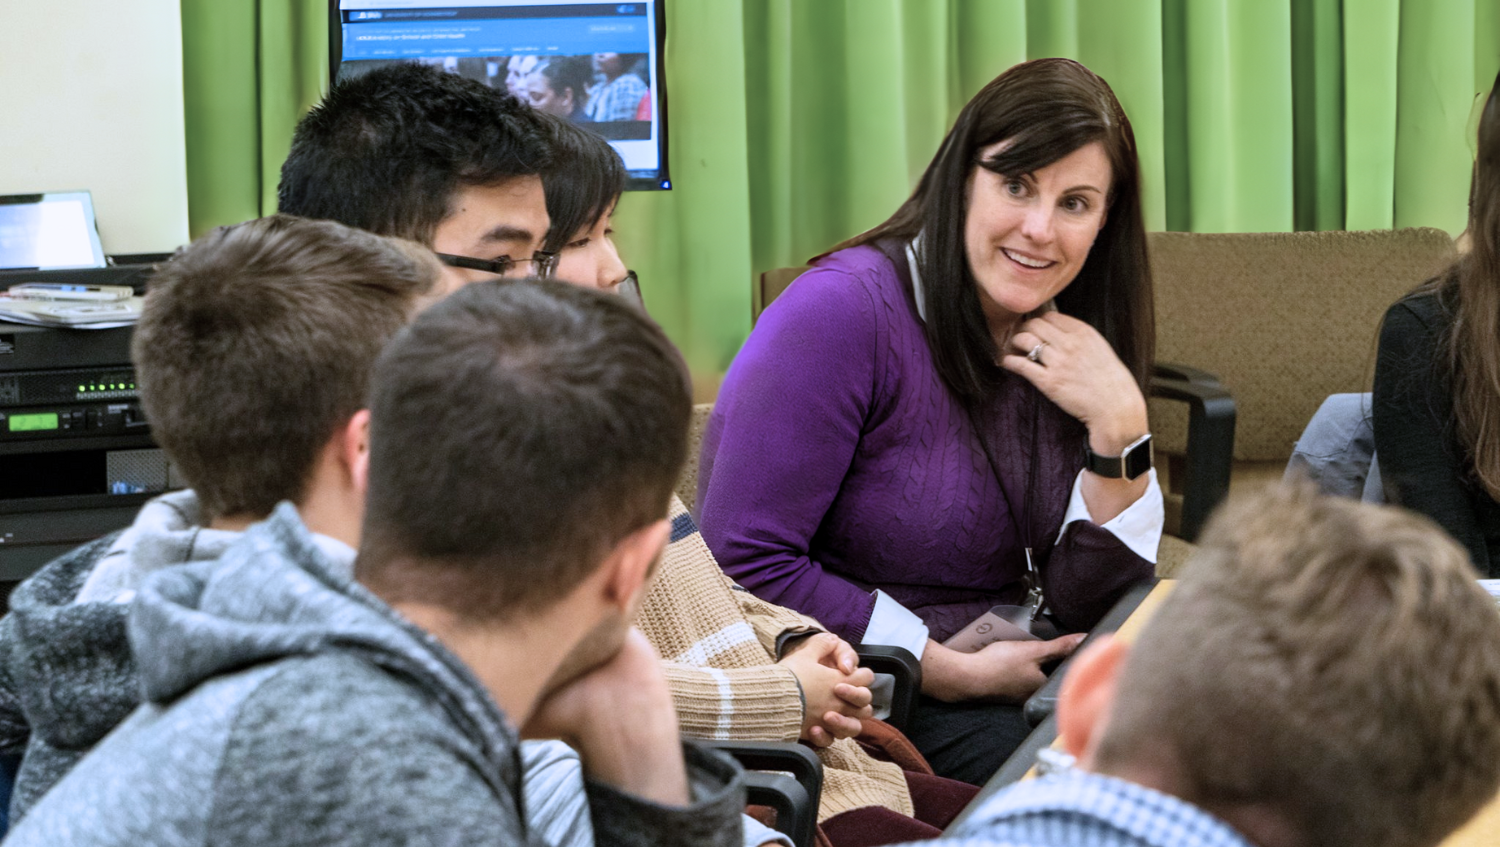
(1138, 459)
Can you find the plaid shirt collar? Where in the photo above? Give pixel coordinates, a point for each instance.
(1079, 809)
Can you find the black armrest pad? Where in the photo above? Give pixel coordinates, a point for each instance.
(795, 759)
(1187, 373)
(766, 763)
(1211, 394)
(1043, 703)
(906, 668)
(796, 813)
(1210, 447)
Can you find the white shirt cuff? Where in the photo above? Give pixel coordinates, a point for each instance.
(894, 625)
(758, 834)
(1139, 527)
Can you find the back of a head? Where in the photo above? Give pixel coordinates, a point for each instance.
(519, 431)
(387, 150)
(1330, 663)
(257, 342)
(585, 181)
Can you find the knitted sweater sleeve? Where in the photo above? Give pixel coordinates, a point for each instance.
(773, 624)
(762, 703)
(1419, 465)
(781, 439)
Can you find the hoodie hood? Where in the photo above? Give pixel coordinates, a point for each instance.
(66, 660)
(276, 594)
(66, 672)
(168, 531)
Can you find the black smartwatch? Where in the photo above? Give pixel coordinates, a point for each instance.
(1130, 464)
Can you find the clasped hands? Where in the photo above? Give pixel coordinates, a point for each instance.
(620, 717)
(836, 688)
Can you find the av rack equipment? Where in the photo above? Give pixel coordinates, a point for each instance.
(76, 455)
(133, 275)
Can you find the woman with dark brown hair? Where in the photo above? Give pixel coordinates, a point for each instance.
(946, 413)
(1437, 378)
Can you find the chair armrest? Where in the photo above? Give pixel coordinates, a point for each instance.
(1015, 767)
(1041, 705)
(796, 815)
(907, 670)
(1187, 373)
(795, 798)
(1210, 447)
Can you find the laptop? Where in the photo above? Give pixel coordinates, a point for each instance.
(49, 231)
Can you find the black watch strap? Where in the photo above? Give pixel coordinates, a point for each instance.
(1136, 460)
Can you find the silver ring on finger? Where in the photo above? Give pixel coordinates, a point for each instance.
(1036, 353)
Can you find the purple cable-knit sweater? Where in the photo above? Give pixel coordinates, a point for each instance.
(837, 462)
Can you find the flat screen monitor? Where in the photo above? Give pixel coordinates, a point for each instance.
(47, 231)
(599, 64)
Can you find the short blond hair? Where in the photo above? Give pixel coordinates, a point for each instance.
(1332, 662)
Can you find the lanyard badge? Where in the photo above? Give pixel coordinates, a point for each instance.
(1024, 615)
(1033, 584)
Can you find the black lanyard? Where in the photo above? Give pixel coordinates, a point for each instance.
(895, 253)
(1031, 580)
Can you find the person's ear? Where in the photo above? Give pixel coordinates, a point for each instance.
(355, 450)
(1088, 691)
(632, 565)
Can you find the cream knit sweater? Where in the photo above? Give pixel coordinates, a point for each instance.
(719, 645)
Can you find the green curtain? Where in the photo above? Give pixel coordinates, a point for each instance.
(251, 69)
(797, 123)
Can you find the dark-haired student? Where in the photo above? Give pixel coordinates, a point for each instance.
(253, 354)
(951, 396)
(621, 89)
(409, 151)
(288, 703)
(559, 86)
(741, 668)
(1436, 407)
(385, 182)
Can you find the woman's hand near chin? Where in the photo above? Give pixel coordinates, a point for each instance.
(1006, 671)
(1078, 370)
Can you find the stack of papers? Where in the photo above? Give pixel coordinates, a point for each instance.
(71, 313)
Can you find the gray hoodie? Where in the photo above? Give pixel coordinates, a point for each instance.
(66, 675)
(285, 704)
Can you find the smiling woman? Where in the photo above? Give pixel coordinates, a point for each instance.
(946, 415)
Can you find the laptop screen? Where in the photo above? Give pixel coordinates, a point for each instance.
(599, 64)
(54, 230)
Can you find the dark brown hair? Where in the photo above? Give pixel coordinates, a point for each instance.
(585, 180)
(256, 344)
(388, 151)
(1472, 288)
(519, 431)
(1047, 109)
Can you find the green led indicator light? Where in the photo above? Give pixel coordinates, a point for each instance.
(80, 388)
